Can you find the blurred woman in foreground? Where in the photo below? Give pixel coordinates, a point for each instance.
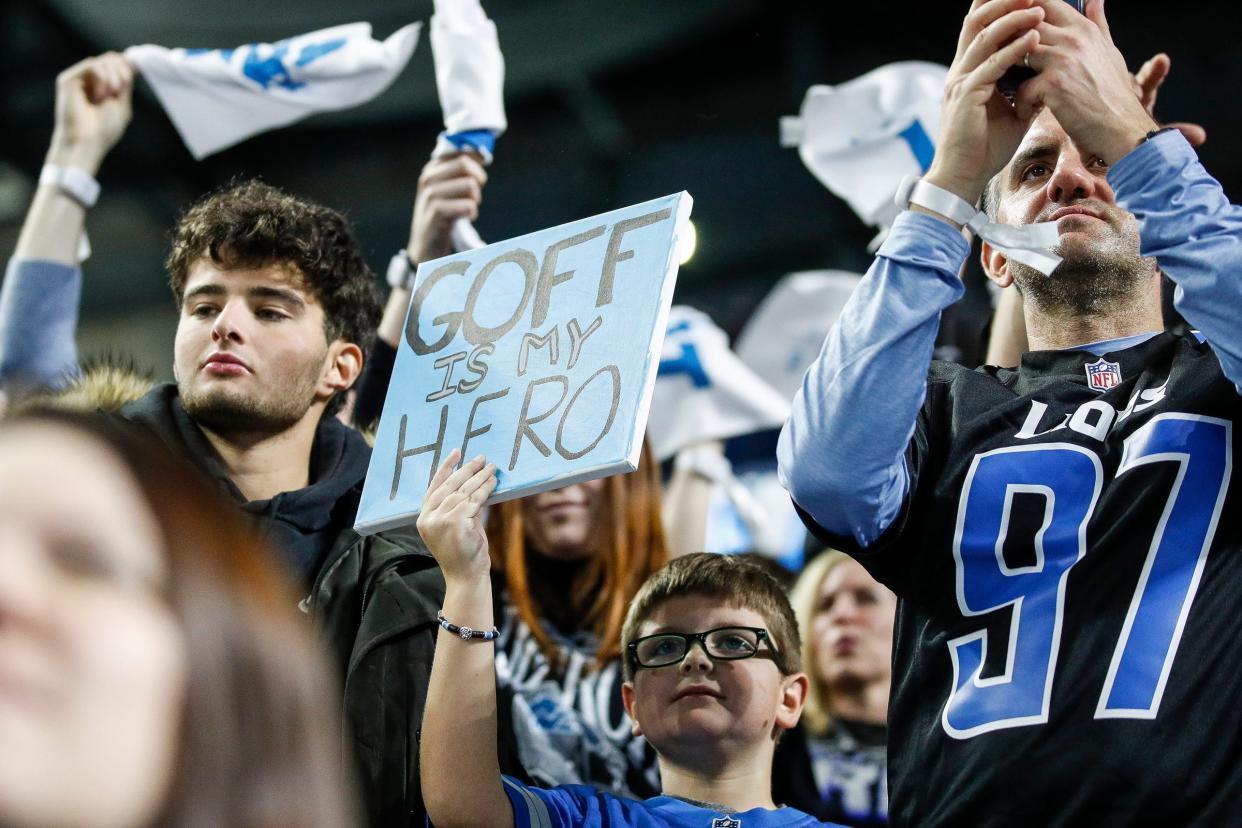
(834, 765)
(151, 669)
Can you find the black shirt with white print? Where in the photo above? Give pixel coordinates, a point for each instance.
(569, 723)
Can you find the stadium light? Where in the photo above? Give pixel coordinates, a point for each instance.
(687, 243)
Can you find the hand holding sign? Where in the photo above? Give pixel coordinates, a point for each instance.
(540, 352)
(451, 522)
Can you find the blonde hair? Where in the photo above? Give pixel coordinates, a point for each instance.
(733, 580)
(107, 383)
(804, 597)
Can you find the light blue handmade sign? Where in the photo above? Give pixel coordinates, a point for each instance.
(538, 352)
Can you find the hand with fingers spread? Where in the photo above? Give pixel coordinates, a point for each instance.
(93, 108)
(451, 522)
(1148, 80)
(450, 187)
(979, 128)
(1083, 79)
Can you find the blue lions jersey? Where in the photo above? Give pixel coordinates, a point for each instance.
(1065, 539)
(1067, 647)
(579, 805)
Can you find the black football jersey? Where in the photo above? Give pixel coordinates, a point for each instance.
(1068, 644)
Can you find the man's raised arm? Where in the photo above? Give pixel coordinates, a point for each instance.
(841, 454)
(450, 187)
(1188, 225)
(43, 280)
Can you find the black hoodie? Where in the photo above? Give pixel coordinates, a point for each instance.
(303, 523)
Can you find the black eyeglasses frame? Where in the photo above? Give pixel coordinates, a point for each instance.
(761, 636)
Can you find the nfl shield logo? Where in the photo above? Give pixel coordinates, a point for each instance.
(726, 822)
(1103, 375)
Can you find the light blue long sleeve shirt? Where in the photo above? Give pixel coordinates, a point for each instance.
(38, 319)
(841, 455)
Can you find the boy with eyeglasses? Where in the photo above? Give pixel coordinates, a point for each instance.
(713, 677)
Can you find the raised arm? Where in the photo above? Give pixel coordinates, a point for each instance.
(841, 454)
(450, 187)
(1188, 225)
(42, 285)
(461, 778)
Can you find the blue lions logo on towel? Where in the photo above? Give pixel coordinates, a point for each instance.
(275, 65)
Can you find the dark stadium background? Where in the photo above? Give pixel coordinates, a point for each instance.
(610, 102)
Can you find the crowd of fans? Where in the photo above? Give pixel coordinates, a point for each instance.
(191, 632)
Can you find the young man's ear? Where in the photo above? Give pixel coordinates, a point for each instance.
(342, 366)
(995, 265)
(793, 696)
(627, 698)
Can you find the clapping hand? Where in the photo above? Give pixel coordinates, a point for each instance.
(979, 128)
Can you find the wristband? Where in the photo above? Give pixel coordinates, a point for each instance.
(401, 271)
(465, 633)
(1156, 132)
(1029, 244)
(74, 182)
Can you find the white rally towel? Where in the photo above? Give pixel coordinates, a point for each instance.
(861, 138)
(470, 77)
(753, 513)
(786, 332)
(219, 97)
(703, 391)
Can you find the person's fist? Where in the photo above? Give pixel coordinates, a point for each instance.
(450, 187)
(93, 108)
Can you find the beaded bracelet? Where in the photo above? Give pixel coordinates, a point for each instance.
(465, 633)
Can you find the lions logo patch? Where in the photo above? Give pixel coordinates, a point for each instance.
(1103, 375)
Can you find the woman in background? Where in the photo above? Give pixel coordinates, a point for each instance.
(152, 669)
(571, 560)
(834, 765)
